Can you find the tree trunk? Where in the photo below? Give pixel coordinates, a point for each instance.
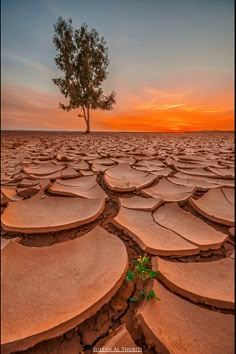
(88, 127)
(87, 122)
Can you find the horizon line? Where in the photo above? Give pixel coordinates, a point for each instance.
(115, 131)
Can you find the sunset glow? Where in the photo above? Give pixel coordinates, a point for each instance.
(159, 86)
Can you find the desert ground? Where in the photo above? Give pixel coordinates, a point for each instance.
(77, 209)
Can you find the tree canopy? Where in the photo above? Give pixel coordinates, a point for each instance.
(82, 56)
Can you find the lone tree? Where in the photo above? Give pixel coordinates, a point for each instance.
(83, 58)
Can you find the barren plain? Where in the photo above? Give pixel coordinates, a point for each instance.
(77, 209)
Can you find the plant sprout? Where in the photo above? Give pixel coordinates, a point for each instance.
(143, 273)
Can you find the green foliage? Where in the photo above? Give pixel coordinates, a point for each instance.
(142, 272)
(152, 295)
(82, 56)
(130, 275)
(133, 299)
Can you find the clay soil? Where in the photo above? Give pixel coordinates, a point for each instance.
(95, 331)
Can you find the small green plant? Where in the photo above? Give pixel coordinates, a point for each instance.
(142, 272)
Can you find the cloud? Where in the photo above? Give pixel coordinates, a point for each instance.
(168, 106)
(26, 61)
(158, 106)
(154, 92)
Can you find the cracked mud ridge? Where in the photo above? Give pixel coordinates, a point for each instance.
(77, 209)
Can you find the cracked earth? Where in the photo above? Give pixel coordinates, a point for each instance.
(77, 209)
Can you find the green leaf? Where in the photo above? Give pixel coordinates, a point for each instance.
(141, 268)
(133, 261)
(133, 299)
(143, 294)
(153, 274)
(152, 295)
(129, 275)
(145, 261)
(148, 270)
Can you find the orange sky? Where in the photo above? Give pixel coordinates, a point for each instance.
(145, 109)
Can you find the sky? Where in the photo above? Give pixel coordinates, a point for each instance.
(171, 64)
